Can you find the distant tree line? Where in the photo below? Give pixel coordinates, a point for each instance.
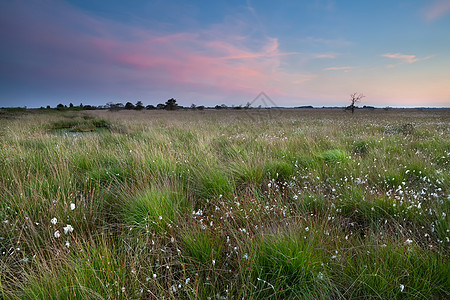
(71, 107)
(170, 104)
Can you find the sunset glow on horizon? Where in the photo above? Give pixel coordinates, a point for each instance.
(298, 52)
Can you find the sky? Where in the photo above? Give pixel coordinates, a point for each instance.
(304, 52)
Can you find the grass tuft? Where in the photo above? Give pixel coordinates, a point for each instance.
(333, 156)
(154, 209)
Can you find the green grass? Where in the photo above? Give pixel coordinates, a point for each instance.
(79, 124)
(288, 265)
(334, 156)
(381, 271)
(154, 209)
(203, 247)
(310, 204)
(98, 271)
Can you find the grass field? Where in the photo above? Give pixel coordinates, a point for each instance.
(226, 204)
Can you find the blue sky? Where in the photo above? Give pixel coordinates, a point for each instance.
(213, 52)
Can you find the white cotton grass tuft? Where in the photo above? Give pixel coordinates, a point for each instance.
(72, 206)
(57, 234)
(68, 229)
(54, 221)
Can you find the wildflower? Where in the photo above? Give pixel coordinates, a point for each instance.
(72, 206)
(68, 229)
(54, 221)
(57, 234)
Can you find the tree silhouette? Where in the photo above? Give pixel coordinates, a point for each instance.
(354, 98)
(114, 106)
(139, 105)
(171, 104)
(129, 105)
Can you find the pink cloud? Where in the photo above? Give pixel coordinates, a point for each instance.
(437, 10)
(219, 64)
(345, 69)
(403, 58)
(75, 49)
(326, 55)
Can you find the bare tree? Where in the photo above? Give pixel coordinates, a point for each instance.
(354, 98)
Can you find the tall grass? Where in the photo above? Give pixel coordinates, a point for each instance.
(309, 204)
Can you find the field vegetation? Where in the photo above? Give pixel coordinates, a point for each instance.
(225, 204)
